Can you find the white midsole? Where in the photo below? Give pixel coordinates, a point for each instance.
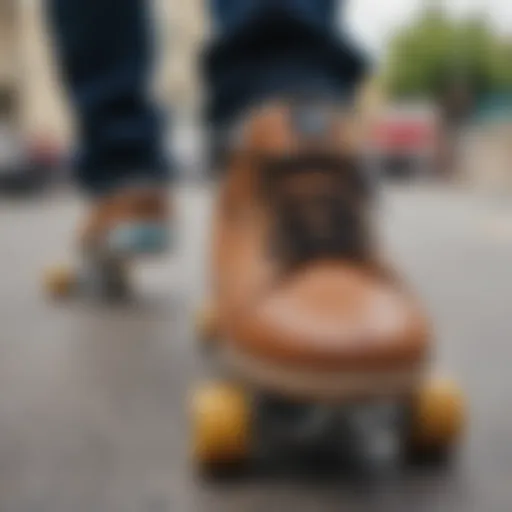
(325, 385)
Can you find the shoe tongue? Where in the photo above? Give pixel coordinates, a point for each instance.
(312, 121)
(317, 213)
(294, 127)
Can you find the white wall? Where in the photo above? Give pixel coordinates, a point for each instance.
(44, 107)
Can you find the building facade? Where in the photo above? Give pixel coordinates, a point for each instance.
(27, 64)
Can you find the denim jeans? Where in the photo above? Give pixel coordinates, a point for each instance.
(260, 48)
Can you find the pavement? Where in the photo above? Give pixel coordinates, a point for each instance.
(93, 398)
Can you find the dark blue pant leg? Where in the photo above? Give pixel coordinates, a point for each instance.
(264, 48)
(105, 53)
(261, 48)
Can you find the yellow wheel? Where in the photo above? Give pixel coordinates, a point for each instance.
(438, 417)
(207, 326)
(220, 426)
(60, 281)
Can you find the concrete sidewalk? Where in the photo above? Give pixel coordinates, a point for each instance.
(92, 400)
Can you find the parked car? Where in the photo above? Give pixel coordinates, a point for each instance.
(404, 141)
(26, 165)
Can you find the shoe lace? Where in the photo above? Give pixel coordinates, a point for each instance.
(318, 202)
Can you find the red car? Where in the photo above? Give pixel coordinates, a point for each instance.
(26, 165)
(405, 141)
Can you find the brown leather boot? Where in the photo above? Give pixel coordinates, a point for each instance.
(304, 305)
(130, 222)
(118, 228)
(324, 349)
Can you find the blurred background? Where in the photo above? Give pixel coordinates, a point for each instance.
(443, 76)
(92, 399)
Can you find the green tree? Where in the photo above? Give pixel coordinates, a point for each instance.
(435, 54)
(419, 56)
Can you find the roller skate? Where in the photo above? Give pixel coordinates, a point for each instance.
(321, 351)
(119, 229)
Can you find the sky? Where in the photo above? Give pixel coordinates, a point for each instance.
(372, 22)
